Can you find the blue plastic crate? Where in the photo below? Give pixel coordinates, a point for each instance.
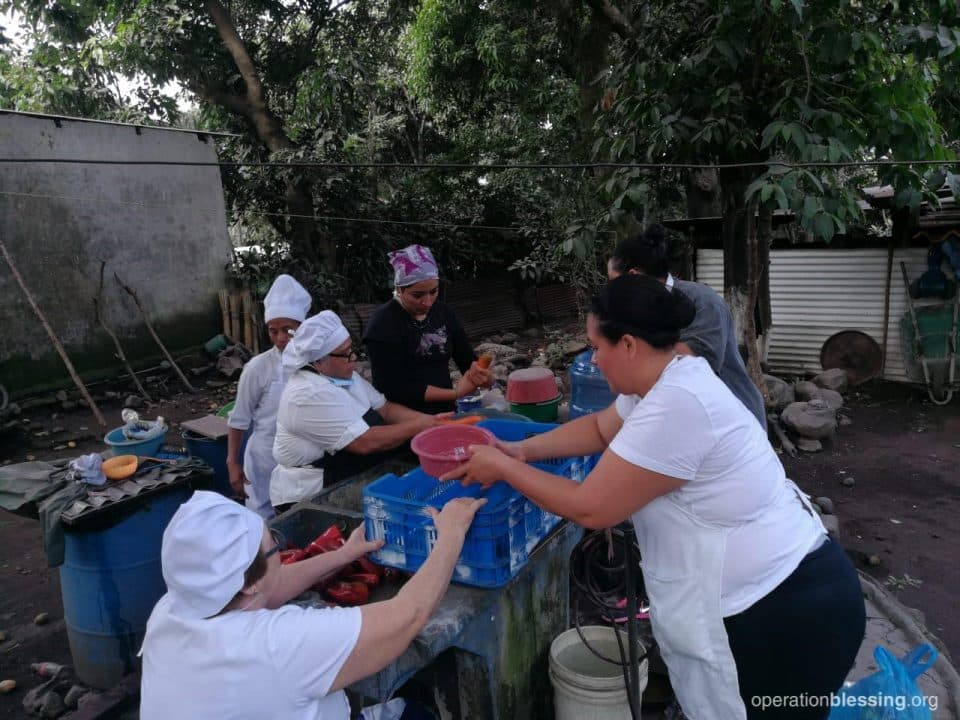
(503, 532)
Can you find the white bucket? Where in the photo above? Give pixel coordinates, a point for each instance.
(584, 686)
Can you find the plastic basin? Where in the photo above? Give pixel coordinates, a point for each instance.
(121, 446)
(531, 385)
(538, 412)
(441, 449)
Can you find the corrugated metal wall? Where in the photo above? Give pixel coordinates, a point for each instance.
(816, 293)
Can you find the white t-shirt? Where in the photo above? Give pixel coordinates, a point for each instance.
(247, 664)
(691, 426)
(316, 417)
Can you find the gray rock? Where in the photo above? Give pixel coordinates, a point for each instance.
(519, 360)
(806, 390)
(848, 482)
(88, 698)
(845, 421)
(812, 419)
(52, 706)
(831, 398)
(832, 524)
(73, 695)
(133, 401)
(508, 337)
(826, 504)
(532, 332)
(809, 445)
(68, 405)
(111, 395)
(835, 379)
(874, 560)
(61, 395)
(780, 394)
(41, 619)
(574, 347)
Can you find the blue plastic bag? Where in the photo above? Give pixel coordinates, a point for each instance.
(891, 693)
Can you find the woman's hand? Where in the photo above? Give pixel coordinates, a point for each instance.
(465, 386)
(456, 516)
(357, 545)
(479, 376)
(237, 479)
(513, 449)
(486, 466)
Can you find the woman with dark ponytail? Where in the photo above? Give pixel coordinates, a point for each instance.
(757, 612)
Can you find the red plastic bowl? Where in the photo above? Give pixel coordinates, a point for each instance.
(441, 449)
(532, 385)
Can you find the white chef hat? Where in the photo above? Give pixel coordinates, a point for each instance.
(208, 545)
(317, 337)
(286, 299)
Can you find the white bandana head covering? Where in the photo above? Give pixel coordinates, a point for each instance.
(317, 337)
(413, 264)
(208, 545)
(286, 299)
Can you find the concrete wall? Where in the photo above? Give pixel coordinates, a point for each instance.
(162, 229)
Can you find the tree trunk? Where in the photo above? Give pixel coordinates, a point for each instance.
(305, 240)
(741, 266)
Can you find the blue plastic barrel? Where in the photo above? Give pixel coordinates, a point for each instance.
(214, 454)
(589, 390)
(110, 580)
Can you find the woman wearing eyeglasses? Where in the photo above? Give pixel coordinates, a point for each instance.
(332, 424)
(412, 338)
(221, 643)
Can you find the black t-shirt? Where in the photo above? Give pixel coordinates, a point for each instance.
(407, 355)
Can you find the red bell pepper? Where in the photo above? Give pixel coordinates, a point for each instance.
(363, 565)
(371, 580)
(288, 557)
(348, 593)
(331, 539)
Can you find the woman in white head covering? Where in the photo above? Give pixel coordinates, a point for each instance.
(222, 644)
(258, 396)
(332, 424)
(412, 338)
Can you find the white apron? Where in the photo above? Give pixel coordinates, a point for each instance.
(682, 562)
(258, 462)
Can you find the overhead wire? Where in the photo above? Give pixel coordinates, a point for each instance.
(299, 164)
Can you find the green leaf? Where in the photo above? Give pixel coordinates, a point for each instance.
(823, 226)
(770, 132)
(766, 192)
(781, 196)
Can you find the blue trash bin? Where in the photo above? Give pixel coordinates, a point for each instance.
(214, 454)
(110, 580)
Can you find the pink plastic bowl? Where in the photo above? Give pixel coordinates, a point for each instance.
(532, 385)
(441, 449)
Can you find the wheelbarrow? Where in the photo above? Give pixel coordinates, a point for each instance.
(929, 339)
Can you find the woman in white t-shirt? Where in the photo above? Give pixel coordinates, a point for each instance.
(751, 603)
(222, 644)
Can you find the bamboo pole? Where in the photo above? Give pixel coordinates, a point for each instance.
(237, 334)
(247, 319)
(113, 336)
(224, 296)
(132, 293)
(53, 337)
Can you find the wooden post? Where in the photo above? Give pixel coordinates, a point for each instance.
(247, 319)
(113, 336)
(173, 363)
(237, 334)
(53, 337)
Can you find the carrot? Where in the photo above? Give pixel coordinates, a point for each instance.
(469, 420)
(485, 360)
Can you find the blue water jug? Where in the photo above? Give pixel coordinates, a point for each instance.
(589, 391)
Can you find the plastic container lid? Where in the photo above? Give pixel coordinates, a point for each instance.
(441, 449)
(532, 385)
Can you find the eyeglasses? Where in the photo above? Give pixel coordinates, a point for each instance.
(352, 355)
(279, 543)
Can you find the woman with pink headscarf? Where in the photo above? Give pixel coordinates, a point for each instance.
(412, 338)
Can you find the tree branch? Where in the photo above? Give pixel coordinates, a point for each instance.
(237, 49)
(615, 18)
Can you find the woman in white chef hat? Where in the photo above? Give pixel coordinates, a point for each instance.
(222, 644)
(258, 396)
(332, 424)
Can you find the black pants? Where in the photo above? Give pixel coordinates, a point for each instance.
(799, 642)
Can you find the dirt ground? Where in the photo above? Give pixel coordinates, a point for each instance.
(901, 450)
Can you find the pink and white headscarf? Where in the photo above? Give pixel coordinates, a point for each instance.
(413, 264)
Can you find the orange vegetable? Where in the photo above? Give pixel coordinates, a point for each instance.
(485, 360)
(469, 420)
